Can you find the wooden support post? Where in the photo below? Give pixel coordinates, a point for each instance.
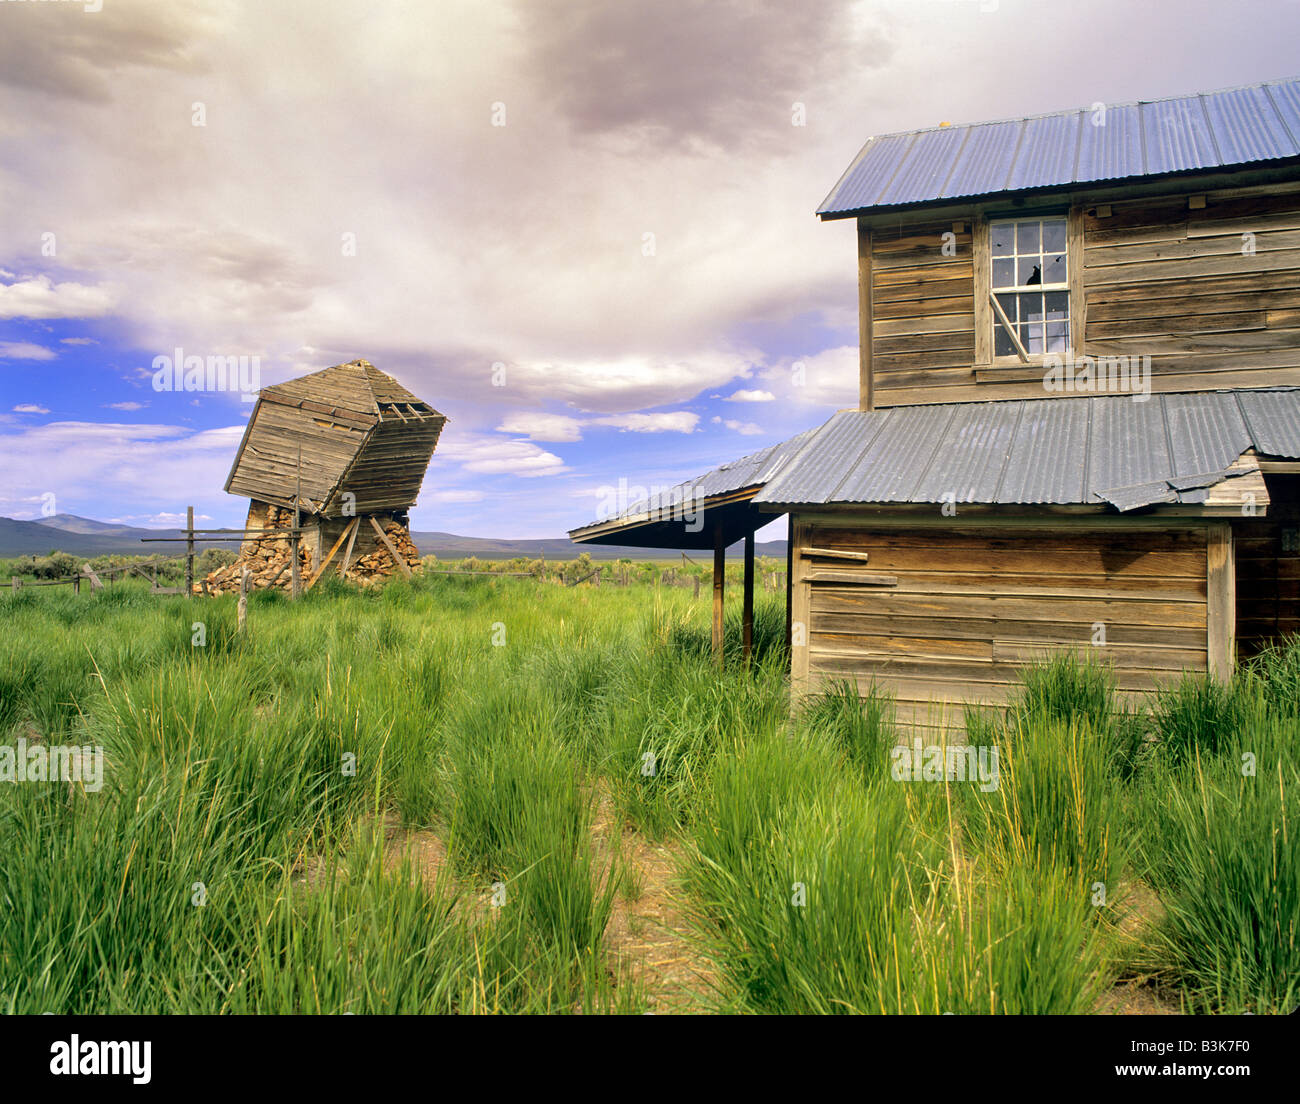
(189, 550)
(241, 613)
(76, 584)
(747, 609)
(88, 571)
(789, 563)
(295, 541)
(799, 612)
(15, 582)
(295, 568)
(719, 583)
(326, 562)
(1221, 602)
(866, 375)
(347, 555)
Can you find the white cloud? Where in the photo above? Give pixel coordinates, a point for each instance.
(451, 496)
(747, 429)
(537, 426)
(126, 406)
(493, 456)
(674, 421)
(29, 408)
(750, 396)
(164, 519)
(78, 341)
(25, 350)
(40, 297)
(84, 463)
(826, 379)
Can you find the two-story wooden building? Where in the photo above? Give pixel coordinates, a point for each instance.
(1079, 415)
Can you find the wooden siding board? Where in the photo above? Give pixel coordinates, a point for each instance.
(964, 634)
(1154, 278)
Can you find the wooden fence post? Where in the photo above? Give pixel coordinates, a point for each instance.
(16, 583)
(719, 582)
(747, 602)
(242, 609)
(189, 551)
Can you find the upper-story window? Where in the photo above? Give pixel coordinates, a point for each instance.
(1030, 284)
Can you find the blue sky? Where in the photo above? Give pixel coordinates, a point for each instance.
(610, 200)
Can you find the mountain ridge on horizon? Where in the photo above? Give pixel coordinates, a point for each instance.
(82, 536)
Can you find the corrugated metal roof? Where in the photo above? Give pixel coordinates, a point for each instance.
(756, 469)
(1235, 126)
(1076, 451)
(1026, 452)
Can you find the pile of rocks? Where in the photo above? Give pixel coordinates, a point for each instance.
(268, 559)
(378, 564)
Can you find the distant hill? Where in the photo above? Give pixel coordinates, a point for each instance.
(448, 546)
(70, 523)
(87, 537)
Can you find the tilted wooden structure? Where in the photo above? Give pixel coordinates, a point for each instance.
(345, 448)
(1079, 407)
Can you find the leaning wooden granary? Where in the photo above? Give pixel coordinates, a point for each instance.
(1079, 416)
(348, 447)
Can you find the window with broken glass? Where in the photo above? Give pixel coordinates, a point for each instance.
(1030, 287)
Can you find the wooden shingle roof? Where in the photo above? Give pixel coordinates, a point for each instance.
(356, 430)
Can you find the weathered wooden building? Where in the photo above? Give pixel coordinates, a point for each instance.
(347, 449)
(1079, 406)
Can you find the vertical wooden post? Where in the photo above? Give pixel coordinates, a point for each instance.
(800, 620)
(347, 555)
(789, 561)
(76, 584)
(15, 582)
(295, 542)
(719, 582)
(1221, 601)
(747, 609)
(242, 609)
(189, 551)
(866, 377)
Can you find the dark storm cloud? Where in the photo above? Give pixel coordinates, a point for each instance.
(691, 74)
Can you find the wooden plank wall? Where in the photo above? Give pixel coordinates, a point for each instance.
(1268, 569)
(923, 321)
(1170, 281)
(268, 466)
(388, 471)
(974, 604)
(1160, 278)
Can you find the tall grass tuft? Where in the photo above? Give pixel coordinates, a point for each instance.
(1198, 713)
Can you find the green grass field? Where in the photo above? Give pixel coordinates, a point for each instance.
(499, 795)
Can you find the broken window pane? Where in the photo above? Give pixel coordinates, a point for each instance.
(1053, 235)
